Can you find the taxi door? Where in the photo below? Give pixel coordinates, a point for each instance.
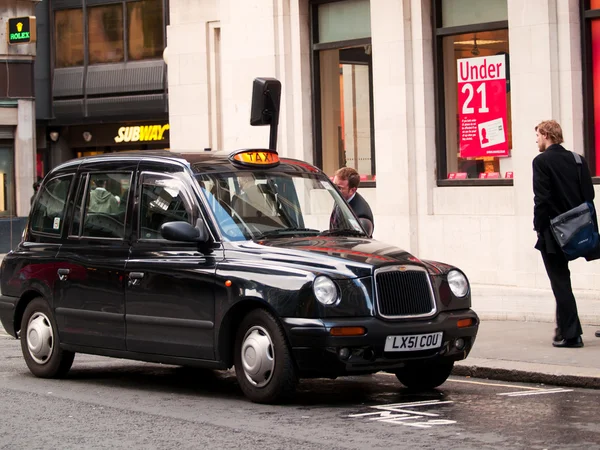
(170, 304)
(89, 295)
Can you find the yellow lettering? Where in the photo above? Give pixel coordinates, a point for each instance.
(145, 132)
(162, 131)
(154, 133)
(141, 133)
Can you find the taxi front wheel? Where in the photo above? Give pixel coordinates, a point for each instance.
(40, 344)
(263, 362)
(426, 376)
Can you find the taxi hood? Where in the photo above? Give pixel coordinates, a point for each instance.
(345, 255)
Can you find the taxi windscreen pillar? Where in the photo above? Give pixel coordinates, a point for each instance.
(266, 96)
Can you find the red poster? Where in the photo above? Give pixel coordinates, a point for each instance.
(482, 106)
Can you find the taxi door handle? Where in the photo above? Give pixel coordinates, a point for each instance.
(135, 278)
(62, 274)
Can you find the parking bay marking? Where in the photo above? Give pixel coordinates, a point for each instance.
(538, 392)
(402, 414)
(493, 384)
(528, 390)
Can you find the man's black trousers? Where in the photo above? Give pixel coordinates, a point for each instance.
(567, 319)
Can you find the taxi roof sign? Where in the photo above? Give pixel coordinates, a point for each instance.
(253, 157)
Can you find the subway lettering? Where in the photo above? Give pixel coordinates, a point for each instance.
(143, 133)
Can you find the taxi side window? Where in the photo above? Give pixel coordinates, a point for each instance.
(103, 198)
(163, 199)
(48, 211)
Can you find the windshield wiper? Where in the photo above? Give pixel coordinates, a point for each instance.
(342, 232)
(286, 232)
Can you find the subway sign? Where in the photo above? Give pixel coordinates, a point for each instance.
(21, 30)
(142, 133)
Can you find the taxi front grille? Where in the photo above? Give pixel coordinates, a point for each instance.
(403, 292)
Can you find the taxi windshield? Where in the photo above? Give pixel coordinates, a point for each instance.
(262, 205)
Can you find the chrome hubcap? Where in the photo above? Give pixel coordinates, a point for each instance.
(258, 356)
(40, 338)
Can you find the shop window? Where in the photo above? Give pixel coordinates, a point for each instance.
(7, 185)
(68, 36)
(473, 85)
(113, 37)
(344, 84)
(145, 38)
(105, 34)
(591, 82)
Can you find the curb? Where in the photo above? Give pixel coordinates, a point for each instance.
(527, 376)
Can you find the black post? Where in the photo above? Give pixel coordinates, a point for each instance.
(273, 131)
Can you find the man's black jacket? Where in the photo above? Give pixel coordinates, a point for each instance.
(361, 208)
(557, 189)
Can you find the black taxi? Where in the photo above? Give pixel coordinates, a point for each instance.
(221, 259)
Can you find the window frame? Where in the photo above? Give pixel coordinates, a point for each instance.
(586, 16)
(195, 212)
(315, 64)
(83, 187)
(440, 33)
(84, 5)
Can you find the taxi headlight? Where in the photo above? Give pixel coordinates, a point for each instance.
(458, 283)
(325, 290)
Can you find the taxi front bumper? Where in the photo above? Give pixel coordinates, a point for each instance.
(317, 353)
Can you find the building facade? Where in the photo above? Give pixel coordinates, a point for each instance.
(17, 118)
(108, 78)
(100, 83)
(434, 102)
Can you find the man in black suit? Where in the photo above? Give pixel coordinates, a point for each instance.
(557, 189)
(347, 180)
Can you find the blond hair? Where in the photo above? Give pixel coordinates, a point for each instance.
(550, 129)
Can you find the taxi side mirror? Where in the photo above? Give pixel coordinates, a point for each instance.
(266, 97)
(184, 232)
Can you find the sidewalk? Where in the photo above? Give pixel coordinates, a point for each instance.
(518, 350)
(522, 351)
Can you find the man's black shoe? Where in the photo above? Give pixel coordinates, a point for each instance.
(597, 333)
(569, 343)
(557, 335)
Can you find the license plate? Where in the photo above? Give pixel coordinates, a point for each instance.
(411, 343)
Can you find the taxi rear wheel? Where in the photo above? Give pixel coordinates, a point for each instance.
(264, 366)
(40, 344)
(425, 376)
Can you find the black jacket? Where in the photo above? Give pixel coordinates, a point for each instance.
(361, 208)
(556, 190)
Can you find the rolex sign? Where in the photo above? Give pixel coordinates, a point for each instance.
(20, 30)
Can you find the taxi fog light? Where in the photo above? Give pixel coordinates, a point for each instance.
(459, 343)
(458, 283)
(464, 323)
(344, 353)
(347, 331)
(325, 290)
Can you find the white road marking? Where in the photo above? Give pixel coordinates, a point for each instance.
(541, 391)
(493, 384)
(398, 414)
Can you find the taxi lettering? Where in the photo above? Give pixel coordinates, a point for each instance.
(261, 157)
(142, 133)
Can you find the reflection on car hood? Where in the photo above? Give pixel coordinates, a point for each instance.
(359, 256)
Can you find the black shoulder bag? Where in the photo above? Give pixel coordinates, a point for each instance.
(575, 230)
